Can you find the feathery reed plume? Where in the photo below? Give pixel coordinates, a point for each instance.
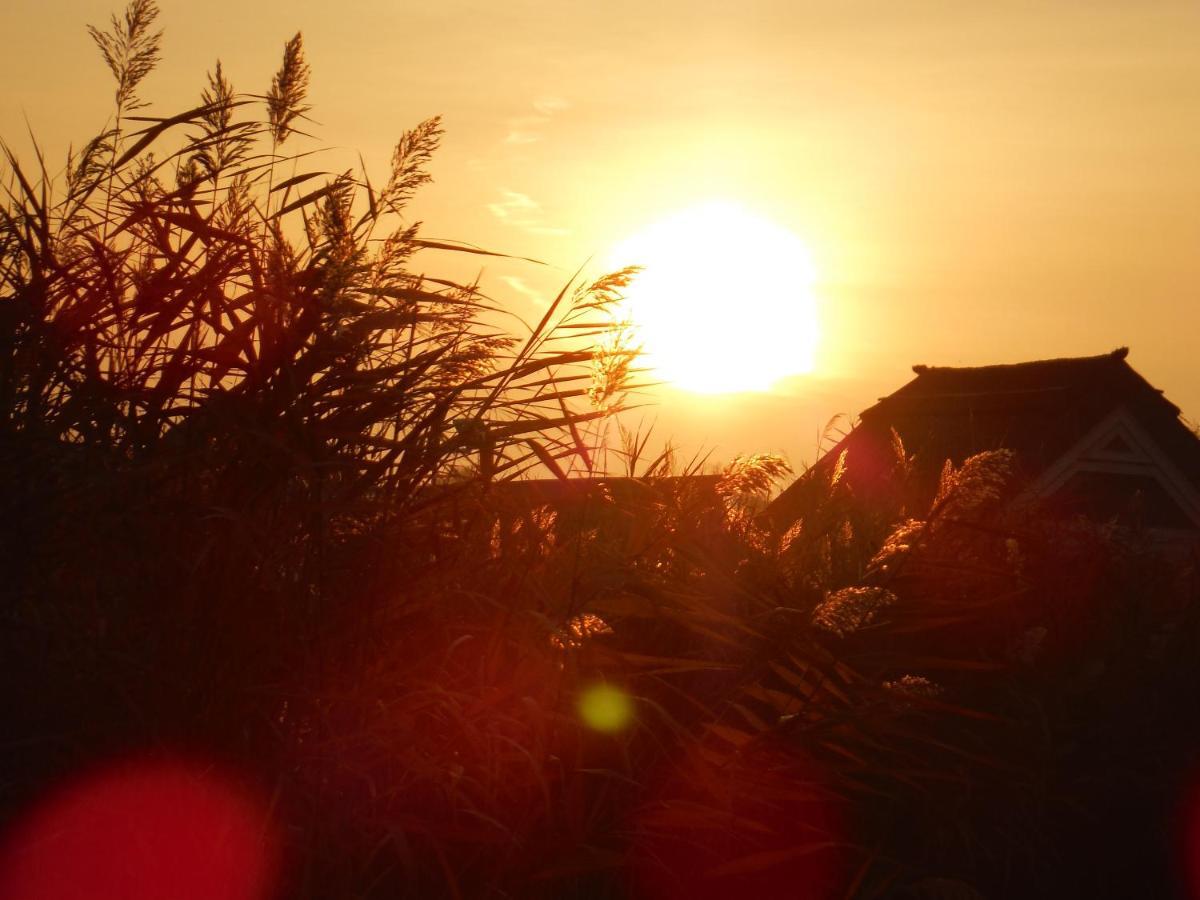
(410, 163)
(755, 474)
(606, 290)
(590, 317)
(130, 49)
(917, 686)
(897, 546)
(221, 144)
(85, 170)
(289, 88)
(850, 609)
(611, 366)
(975, 485)
(578, 630)
(839, 470)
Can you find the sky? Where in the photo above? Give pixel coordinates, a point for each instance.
(974, 182)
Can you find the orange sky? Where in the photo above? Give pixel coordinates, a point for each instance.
(976, 182)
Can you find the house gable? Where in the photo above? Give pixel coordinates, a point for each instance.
(1088, 433)
(1119, 452)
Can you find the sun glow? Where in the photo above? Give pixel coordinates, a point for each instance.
(725, 300)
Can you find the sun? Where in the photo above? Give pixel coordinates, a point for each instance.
(725, 300)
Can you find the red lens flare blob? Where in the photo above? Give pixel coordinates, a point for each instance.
(1189, 840)
(160, 830)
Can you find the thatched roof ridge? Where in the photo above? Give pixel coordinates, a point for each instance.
(1090, 381)
(1040, 409)
(1117, 355)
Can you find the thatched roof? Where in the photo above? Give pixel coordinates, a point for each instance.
(1038, 409)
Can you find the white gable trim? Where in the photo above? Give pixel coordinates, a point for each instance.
(1143, 457)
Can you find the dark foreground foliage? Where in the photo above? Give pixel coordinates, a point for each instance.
(254, 473)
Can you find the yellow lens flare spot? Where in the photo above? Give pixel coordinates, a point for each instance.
(606, 708)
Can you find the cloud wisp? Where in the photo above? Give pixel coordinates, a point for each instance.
(515, 208)
(526, 129)
(519, 286)
(522, 211)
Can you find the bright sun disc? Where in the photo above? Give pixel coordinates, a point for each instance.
(724, 302)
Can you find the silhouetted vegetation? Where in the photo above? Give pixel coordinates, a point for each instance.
(257, 472)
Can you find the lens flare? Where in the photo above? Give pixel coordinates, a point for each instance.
(606, 708)
(142, 831)
(1189, 840)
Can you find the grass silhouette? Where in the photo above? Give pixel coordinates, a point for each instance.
(255, 470)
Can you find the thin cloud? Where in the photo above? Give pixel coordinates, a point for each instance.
(522, 211)
(522, 137)
(514, 204)
(548, 106)
(526, 129)
(519, 285)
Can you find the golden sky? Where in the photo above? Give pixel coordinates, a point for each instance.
(975, 182)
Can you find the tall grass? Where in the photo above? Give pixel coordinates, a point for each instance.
(233, 410)
(253, 461)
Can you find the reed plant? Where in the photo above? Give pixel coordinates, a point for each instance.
(261, 476)
(235, 410)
